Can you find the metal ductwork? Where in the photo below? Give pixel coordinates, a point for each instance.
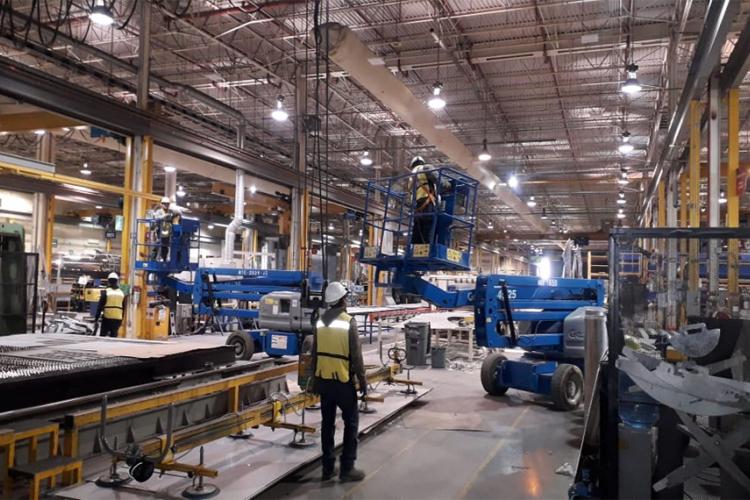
(348, 52)
(239, 209)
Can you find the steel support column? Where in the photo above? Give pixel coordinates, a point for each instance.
(127, 235)
(672, 256)
(49, 236)
(694, 207)
(733, 201)
(300, 197)
(714, 181)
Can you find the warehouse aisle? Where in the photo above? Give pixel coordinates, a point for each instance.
(458, 443)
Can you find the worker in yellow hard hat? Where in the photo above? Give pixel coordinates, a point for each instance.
(111, 306)
(425, 199)
(164, 216)
(337, 361)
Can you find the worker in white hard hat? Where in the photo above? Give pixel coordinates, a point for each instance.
(426, 199)
(164, 215)
(337, 361)
(112, 303)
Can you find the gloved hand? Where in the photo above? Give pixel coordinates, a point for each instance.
(363, 390)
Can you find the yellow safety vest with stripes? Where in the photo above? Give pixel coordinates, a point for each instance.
(332, 349)
(113, 304)
(425, 191)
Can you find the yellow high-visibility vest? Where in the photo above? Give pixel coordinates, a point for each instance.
(113, 304)
(424, 193)
(332, 343)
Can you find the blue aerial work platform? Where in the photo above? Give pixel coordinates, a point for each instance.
(172, 264)
(394, 246)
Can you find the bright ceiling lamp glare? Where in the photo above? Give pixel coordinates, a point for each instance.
(623, 179)
(85, 170)
(631, 85)
(722, 198)
(169, 169)
(513, 182)
(484, 155)
(626, 147)
(621, 198)
(40, 132)
(279, 114)
(253, 189)
(210, 226)
(365, 161)
(101, 14)
(531, 203)
(620, 213)
(181, 192)
(436, 102)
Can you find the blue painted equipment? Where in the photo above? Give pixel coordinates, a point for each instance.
(548, 312)
(170, 266)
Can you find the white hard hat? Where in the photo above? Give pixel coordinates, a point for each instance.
(165, 199)
(416, 161)
(334, 292)
(113, 276)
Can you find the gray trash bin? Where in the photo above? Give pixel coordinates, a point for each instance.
(417, 337)
(437, 356)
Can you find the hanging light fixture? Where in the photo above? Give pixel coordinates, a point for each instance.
(626, 147)
(623, 179)
(40, 132)
(531, 203)
(279, 114)
(100, 14)
(253, 188)
(169, 169)
(620, 213)
(365, 160)
(484, 155)
(631, 85)
(722, 198)
(621, 198)
(181, 192)
(85, 170)
(513, 181)
(436, 102)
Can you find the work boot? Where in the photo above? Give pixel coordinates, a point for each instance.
(329, 474)
(351, 475)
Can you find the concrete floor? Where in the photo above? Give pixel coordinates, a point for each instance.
(457, 442)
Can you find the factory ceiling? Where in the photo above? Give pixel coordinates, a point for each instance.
(539, 80)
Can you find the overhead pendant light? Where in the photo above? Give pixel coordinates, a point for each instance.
(253, 188)
(279, 114)
(544, 214)
(210, 226)
(100, 14)
(490, 225)
(365, 160)
(484, 155)
(40, 132)
(631, 85)
(626, 147)
(621, 198)
(722, 198)
(181, 192)
(513, 182)
(169, 169)
(620, 213)
(623, 179)
(85, 170)
(531, 203)
(436, 102)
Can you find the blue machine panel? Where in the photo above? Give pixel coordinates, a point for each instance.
(280, 343)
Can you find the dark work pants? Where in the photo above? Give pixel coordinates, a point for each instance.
(334, 394)
(109, 327)
(421, 232)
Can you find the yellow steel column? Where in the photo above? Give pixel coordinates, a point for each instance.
(695, 178)
(683, 219)
(662, 206)
(127, 204)
(48, 236)
(733, 201)
(147, 183)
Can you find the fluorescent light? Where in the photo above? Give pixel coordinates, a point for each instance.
(99, 207)
(210, 226)
(513, 181)
(65, 129)
(169, 168)
(436, 102)
(531, 203)
(101, 15)
(40, 131)
(365, 161)
(85, 171)
(621, 201)
(279, 114)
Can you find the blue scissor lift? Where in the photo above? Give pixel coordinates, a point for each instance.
(502, 303)
(211, 287)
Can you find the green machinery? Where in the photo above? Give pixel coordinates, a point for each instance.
(14, 280)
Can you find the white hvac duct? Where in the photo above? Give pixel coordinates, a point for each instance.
(239, 206)
(347, 51)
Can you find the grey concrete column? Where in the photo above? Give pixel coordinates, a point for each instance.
(714, 179)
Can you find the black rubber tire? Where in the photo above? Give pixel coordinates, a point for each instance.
(244, 346)
(566, 387)
(490, 365)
